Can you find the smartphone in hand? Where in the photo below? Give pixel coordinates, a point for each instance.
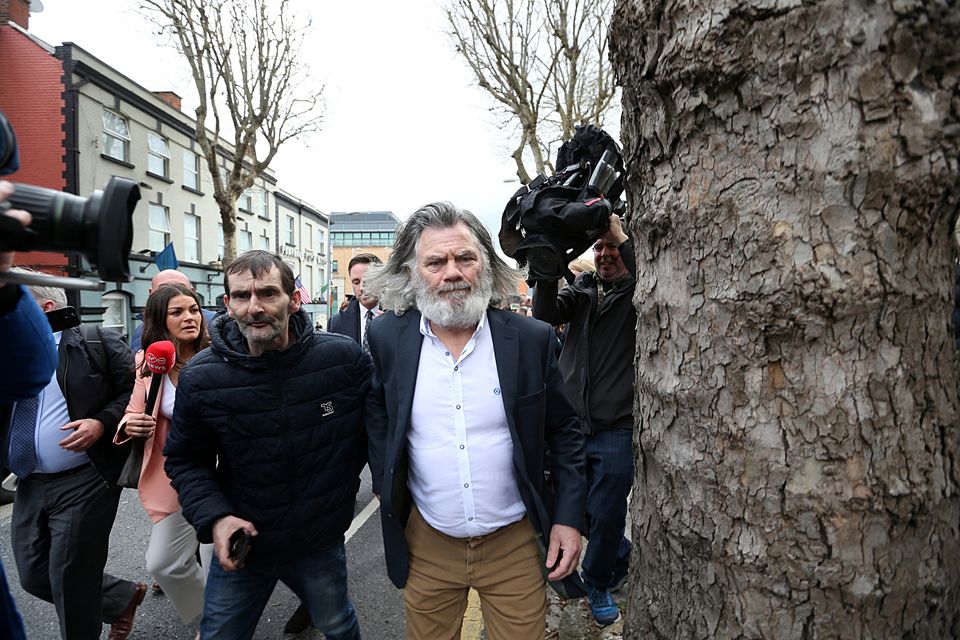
(239, 546)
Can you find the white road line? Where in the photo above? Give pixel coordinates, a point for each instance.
(361, 518)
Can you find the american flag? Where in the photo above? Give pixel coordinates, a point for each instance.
(305, 297)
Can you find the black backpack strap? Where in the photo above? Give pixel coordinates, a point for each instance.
(93, 343)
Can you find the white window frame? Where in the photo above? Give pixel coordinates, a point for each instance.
(265, 243)
(162, 229)
(245, 201)
(158, 155)
(291, 230)
(115, 130)
(244, 241)
(191, 243)
(308, 237)
(191, 170)
(263, 204)
(117, 313)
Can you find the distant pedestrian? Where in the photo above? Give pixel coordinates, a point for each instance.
(172, 313)
(467, 404)
(265, 452)
(354, 320)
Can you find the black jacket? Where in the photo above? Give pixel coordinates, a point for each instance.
(91, 393)
(277, 440)
(538, 413)
(598, 352)
(347, 322)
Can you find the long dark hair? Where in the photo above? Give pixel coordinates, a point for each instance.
(155, 320)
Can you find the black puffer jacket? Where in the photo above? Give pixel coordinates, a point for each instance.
(277, 440)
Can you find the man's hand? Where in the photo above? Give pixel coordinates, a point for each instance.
(85, 433)
(567, 540)
(615, 233)
(6, 257)
(140, 425)
(222, 530)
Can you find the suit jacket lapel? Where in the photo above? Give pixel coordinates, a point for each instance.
(409, 342)
(506, 350)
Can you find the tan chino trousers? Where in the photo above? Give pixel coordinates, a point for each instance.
(503, 567)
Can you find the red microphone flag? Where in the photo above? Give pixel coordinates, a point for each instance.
(161, 356)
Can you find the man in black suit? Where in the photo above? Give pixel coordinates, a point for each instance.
(354, 320)
(465, 401)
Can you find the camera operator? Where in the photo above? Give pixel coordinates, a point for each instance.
(597, 367)
(28, 352)
(26, 343)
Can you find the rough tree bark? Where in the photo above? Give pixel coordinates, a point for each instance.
(793, 193)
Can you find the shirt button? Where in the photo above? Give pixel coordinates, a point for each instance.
(456, 368)
(446, 353)
(458, 406)
(461, 446)
(470, 518)
(466, 484)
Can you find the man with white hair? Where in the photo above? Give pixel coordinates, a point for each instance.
(60, 446)
(466, 401)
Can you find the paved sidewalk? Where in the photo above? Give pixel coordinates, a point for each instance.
(572, 620)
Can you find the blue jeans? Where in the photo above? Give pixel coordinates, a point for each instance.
(234, 601)
(609, 478)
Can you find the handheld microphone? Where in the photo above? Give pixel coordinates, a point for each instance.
(160, 357)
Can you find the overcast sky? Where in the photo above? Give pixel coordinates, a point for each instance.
(404, 124)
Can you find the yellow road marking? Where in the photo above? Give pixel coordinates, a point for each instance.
(472, 618)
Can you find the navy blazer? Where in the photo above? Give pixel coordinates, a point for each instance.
(347, 322)
(539, 415)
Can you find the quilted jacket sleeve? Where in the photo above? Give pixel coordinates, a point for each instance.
(191, 460)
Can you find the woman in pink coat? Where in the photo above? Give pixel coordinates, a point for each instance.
(172, 313)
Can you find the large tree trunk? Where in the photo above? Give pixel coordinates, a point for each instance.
(793, 190)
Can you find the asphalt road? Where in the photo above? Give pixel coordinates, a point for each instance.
(378, 603)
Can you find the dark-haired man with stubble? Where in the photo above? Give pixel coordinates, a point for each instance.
(356, 318)
(267, 443)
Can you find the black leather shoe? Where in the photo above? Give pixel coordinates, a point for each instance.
(299, 621)
(122, 626)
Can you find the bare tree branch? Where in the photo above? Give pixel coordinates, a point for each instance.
(544, 62)
(244, 56)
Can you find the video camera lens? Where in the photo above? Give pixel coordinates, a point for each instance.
(99, 227)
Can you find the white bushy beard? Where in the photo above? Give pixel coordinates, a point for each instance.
(460, 310)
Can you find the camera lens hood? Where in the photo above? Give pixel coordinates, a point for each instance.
(115, 229)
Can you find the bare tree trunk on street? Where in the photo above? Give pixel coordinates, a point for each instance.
(244, 56)
(545, 64)
(793, 187)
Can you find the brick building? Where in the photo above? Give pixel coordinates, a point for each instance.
(79, 122)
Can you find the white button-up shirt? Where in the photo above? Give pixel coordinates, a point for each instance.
(461, 454)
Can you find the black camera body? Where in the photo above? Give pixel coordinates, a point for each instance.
(99, 227)
(551, 221)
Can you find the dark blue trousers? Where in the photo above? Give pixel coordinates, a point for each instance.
(609, 479)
